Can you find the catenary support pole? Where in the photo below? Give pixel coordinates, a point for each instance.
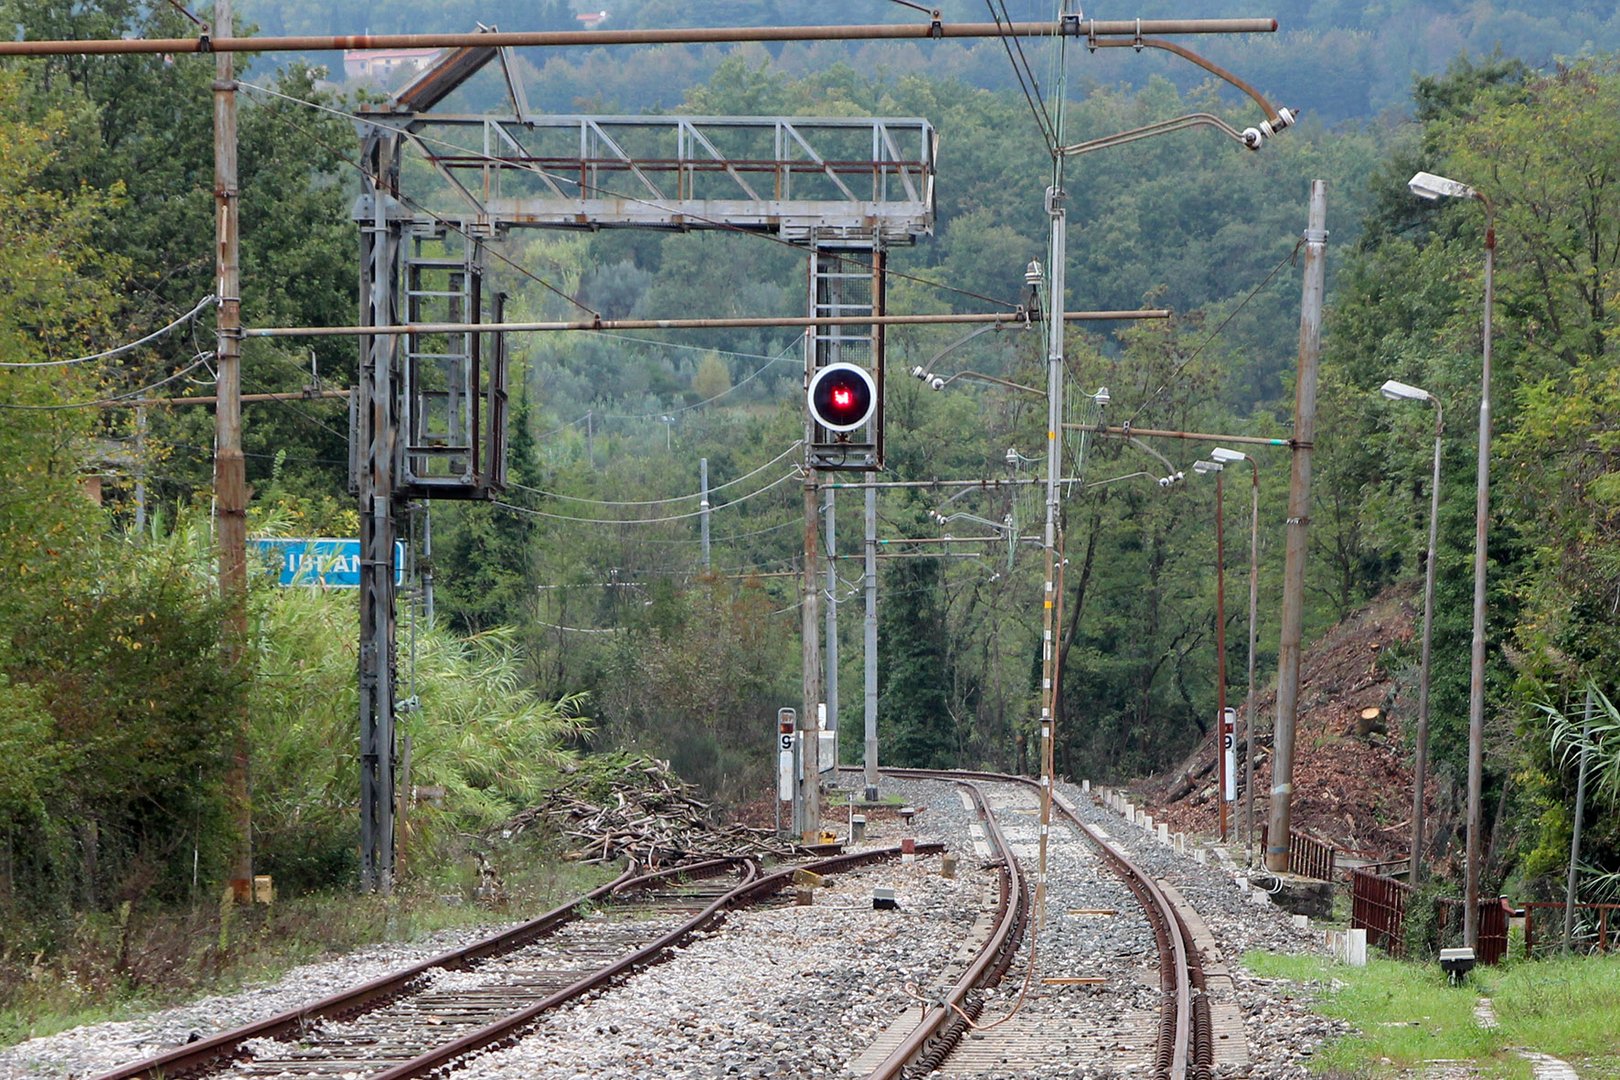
(230, 477)
(830, 673)
(1220, 649)
(870, 650)
(1051, 594)
(1299, 502)
(1254, 610)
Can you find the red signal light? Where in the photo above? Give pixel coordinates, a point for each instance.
(842, 396)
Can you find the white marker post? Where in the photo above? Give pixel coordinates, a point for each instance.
(786, 774)
(1229, 749)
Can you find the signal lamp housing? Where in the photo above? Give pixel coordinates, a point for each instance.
(842, 397)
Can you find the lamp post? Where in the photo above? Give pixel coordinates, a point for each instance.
(1430, 186)
(1225, 456)
(1220, 637)
(1399, 391)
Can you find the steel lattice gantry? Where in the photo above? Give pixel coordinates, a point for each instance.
(428, 419)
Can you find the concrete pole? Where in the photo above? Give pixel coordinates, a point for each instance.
(230, 478)
(1476, 667)
(1254, 608)
(703, 507)
(809, 776)
(1220, 650)
(830, 678)
(1299, 503)
(870, 657)
(1420, 768)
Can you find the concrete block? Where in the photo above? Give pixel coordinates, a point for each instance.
(1200, 856)
(1181, 843)
(1164, 834)
(1085, 787)
(947, 866)
(883, 899)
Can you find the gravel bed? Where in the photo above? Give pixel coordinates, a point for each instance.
(792, 992)
(1281, 1029)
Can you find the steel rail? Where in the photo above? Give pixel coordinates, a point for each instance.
(931, 1041)
(512, 1028)
(1186, 1046)
(209, 1055)
(1133, 29)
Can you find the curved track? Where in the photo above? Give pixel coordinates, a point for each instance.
(1185, 1045)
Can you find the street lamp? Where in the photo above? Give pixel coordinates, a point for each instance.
(1430, 186)
(1222, 454)
(1399, 391)
(1220, 635)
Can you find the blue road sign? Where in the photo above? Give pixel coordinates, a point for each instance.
(320, 560)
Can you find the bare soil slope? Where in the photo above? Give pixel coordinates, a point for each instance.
(1352, 762)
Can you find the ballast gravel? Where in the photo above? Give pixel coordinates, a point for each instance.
(802, 992)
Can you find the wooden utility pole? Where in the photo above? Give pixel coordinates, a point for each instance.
(1299, 504)
(230, 477)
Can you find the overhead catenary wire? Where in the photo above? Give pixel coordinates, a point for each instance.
(1213, 334)
(662, 502)
(118, 350)
(648, 521)
(116, 399)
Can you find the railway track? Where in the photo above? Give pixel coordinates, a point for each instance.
(426, 1017)
(1184, 1044)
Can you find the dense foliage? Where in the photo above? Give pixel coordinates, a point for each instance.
(599, 584)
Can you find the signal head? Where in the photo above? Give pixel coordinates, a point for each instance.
(842, 396)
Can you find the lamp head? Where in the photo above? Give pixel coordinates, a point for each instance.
(1222, 454)
(1207, 466)
(1429, 186)
(1399, 391)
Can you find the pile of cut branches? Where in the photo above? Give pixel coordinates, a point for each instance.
(637, 808)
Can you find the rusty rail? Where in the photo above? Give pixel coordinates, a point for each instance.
(931, 1041)
(213, 1053)
(206, 1053)
(1186, 1032)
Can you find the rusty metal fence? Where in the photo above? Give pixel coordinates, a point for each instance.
(1307, 857)
(1591, 931)
(1378, 905)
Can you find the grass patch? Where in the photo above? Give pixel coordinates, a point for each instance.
(107, 967)
(1564, 1006)
(1403, 1014)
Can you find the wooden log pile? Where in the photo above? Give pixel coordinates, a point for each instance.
(641, 811)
